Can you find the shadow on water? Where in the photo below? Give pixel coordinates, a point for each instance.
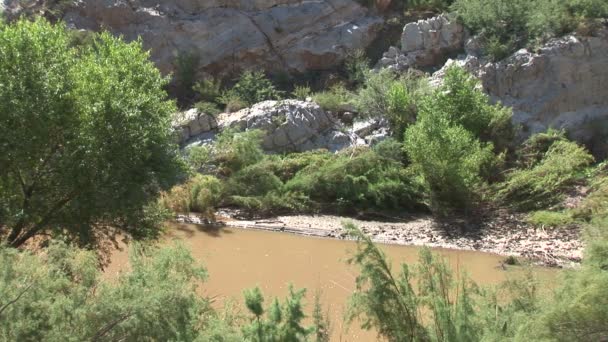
(212, 230)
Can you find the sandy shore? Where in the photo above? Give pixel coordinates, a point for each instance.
(508, 236)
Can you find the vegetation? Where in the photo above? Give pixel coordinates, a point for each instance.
(336, 99)
(505, 26)
(384, 95)
(451, 143)
(85, 138)
(251, 88)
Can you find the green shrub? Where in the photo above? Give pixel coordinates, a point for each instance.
(387, 301)
(595, 205)
(62, 295)
(209, 89)
(358, 179)
(451, 161)
(208, 108)
(302, 92)
(427, 5)
(336, 99)
(356, 66)
(545, 218)
(200, 194)
(451, 144)
(236, 150)
(533, 150)
(543, 184)
(253, 180)
(251, 88)
(461, 101)
(385, 95)
(507, 25)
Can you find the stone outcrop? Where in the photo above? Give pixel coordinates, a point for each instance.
(562, 85)
(230, 35)
(425, 43)
(192, 123)
(291, 126)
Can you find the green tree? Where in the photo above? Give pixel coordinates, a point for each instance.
(85, 136)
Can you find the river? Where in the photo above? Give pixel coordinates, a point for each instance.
(240, 258)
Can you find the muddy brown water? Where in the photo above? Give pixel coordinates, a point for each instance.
(239, 258)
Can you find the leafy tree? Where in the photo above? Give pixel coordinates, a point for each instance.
(85, 136)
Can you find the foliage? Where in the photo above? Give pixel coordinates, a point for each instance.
(251, 88)
(594, 206)
(335, 99)
(186, 65)
(543, 218)
(388, 302)
(209, 89)
(396, 99)
(85, 136)
(428, 5)
(60, 296)
(506, 25)
(451, 161)
(461, 101)
(301, 92)
(283, 322)
(543, 184)
(533, 150)
(201, 194)
(356, 66)
(207, 108)
(451, 142)
(234, 151)
(357, 179)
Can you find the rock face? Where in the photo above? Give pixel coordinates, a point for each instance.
(291, 126)
(229, 35)
(425, 43)
(562, 85)
(193, 123)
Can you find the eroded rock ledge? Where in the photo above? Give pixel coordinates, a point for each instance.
(229, 35)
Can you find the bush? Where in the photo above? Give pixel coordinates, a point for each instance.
(200, 194)
(236, 150)
(385, 96)
(358, 181)
(461, 101)
(543, 184)
(208, 108)
(61, 295)
(336, 99)
(451, 161)
(301, 92)
(507, 25)
(544, 218)
(451, 144)
(356, 66)
(251, 88)
(209, 89)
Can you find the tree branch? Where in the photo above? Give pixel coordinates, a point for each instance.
(16, 299)
(108, 327)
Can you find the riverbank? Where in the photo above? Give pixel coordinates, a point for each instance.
(506, 235)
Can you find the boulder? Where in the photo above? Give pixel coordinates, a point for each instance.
(562, 85)
(425, 43)
(223, 36)
(291, 126)
(192, 123)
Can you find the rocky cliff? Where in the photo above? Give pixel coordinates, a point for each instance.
(229, 35)
(562, 85)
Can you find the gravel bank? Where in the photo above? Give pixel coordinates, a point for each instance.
(508, 236)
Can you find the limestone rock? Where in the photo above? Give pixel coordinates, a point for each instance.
(193, 123)
(425, 43)
(229, 35)
(562, 85)
(291, 126)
